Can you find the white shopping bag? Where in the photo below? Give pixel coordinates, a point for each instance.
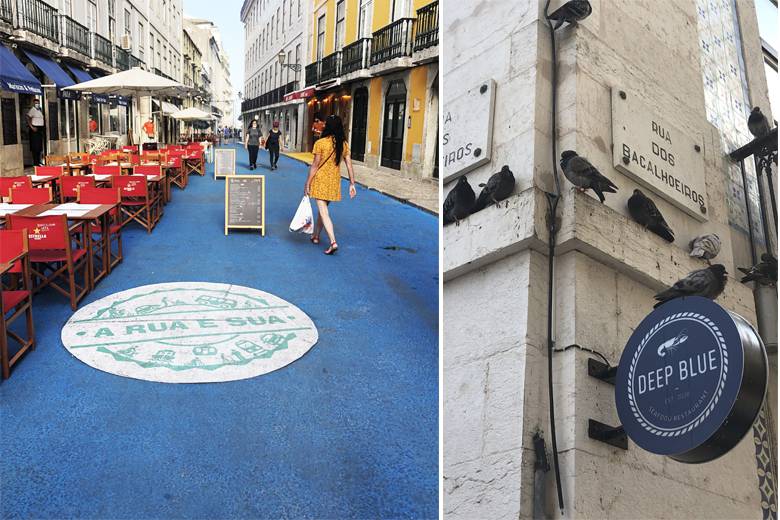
(303, 221)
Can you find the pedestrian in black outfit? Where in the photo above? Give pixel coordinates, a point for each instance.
(272, 144)
(252, 143)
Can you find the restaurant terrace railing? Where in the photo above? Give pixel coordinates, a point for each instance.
(392, 41)
(354, 56)
(102, 49)
(75, 36)
(6, 11)
(427, 26)
(38, 17)
(122, 59)
(331, 67)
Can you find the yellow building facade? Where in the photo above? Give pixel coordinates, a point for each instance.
(375, 64)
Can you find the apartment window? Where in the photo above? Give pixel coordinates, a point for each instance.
(297, 60)
(159, 56)
(151, 49)
(111, 29)
(320, 36)
(364, 18)
(284, 16)
(92, 16)
(299, 8)
(127, 22)
(400, 9)
(140, 42)
(112, 8)
(291, 11)
(290, 61)
(67, 8)
(340, 26)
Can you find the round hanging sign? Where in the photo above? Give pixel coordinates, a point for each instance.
(691, 380)
(190, 332)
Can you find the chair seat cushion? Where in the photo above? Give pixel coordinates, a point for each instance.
(13, 298)
(55, 255)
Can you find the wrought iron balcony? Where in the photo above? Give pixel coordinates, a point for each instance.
(6, 11)
(269, 98)
(427, 26)
(313, 73)
(102, 49)
(354, 56)
(331, 67)
(75, 36)
(392, 41)
(122, 59)
(38, 17)
(136, 62)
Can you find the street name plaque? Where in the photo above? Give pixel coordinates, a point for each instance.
(245, 202)
(467, 138)
(691, 380)
(224, 162)
(189, 332)
(658, 155)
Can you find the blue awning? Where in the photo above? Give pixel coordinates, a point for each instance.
(14, 76)
(54, 72)
(81, 75)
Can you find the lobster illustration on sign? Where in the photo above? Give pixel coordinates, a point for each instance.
(673, 344)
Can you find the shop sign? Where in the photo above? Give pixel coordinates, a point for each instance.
(658, 155)
(189, 333)
(691, 380)
(468, 130)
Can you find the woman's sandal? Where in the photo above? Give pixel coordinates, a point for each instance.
(315, 239)
(332, 249)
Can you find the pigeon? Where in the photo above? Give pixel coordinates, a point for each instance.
(584, 175)
(572, 11)
(459, 202)
(706, 247)
(644, 211)
(708, 282)
(757, 123)
(498, 187)
(763, 273)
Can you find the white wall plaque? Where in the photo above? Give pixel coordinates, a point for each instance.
(468, 130)
(658, 155)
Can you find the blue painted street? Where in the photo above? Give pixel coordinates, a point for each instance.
(349, 430)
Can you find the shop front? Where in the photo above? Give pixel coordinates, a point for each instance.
(325, 103)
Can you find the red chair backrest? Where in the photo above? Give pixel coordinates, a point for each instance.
(147, 169)
(70, 184)
(177, 153)
(92, 195)
(7, 183)
(135, 159)
(107, 170)
(13, 244)
(55, 171)
(175, 162)
(43, 232)
(24, 195)
(131, 185)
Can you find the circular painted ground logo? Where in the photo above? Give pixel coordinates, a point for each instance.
(189, 332)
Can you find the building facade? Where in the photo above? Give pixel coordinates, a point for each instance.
(697, 66)
(274, 28)
(215, 70)
(375, 64)
(62, 42)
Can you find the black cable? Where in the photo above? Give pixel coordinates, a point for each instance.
(586, 349)
(552, 206)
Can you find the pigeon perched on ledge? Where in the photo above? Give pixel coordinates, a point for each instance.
(644, 211)
(705, 247)
(758, 123)
(763, 273)
(498, 187)
(584, 175)
(708, 282)
(459, 202)
(571, 12)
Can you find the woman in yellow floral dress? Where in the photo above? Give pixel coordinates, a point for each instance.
(324, 181)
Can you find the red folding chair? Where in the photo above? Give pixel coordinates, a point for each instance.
(14, 250)
(176, 169)
(25, 195)
(107, 170)
(135, 159)
(92, 195)
(54, 258)
(193, 160)
(8, 183)
(136, 204)
(69, 185)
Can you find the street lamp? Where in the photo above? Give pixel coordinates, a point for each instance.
(294, 66)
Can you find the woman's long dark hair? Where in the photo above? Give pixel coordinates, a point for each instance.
(334, 128)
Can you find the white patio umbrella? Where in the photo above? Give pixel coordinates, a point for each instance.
(135, 82)
(193, 114)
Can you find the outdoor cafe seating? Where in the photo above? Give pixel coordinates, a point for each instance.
(24, 195)
(138, 204)
(16, 299)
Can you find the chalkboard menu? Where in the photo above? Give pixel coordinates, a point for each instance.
(224, 162)
(245, 202)
(8, 109)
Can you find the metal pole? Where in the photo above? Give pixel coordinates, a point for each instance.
(747, 209)
(762, 205)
